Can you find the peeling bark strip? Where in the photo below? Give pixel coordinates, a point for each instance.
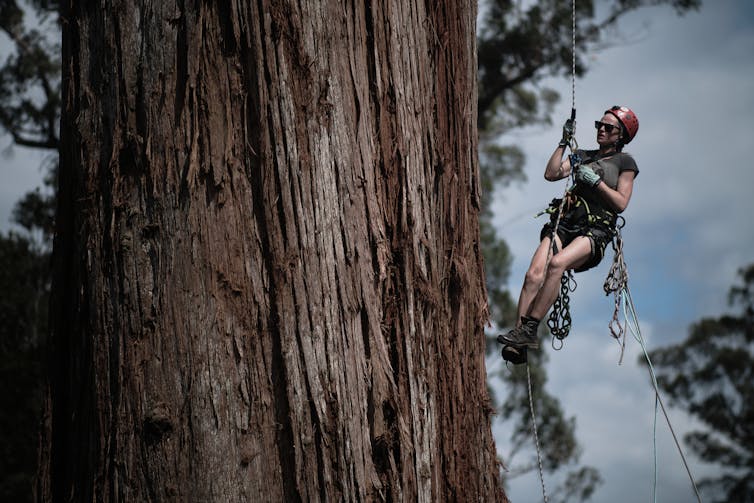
(268, 282)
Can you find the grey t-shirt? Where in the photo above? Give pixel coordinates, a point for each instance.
(609, 168)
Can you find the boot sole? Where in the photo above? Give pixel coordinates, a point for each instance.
(517, 344)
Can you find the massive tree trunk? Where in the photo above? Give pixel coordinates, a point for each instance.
(268, 283)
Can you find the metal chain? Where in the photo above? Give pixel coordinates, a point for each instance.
(559, 322)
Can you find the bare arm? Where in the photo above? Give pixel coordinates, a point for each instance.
(557, 168)
(618, 199)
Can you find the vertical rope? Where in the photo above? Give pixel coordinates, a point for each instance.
(573, 55)
(552, 247)
(536, 436)
(632, 322)
(573, 146)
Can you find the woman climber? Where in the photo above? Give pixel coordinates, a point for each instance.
(604, 182)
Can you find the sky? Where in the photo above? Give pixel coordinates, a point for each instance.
(690, 81)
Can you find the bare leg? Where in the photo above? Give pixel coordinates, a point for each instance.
(537, 297)
(535, 276)
(573, 255)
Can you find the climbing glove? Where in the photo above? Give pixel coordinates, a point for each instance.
(587, 176)
(569, 128)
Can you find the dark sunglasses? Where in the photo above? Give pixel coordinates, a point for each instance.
(608, 127)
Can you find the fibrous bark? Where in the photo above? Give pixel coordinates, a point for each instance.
(268, 280)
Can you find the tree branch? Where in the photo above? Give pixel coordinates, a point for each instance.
(50, 143)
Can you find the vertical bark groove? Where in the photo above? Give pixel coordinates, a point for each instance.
(268, 284)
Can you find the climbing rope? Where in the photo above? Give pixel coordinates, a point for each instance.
(559, 321)
(632, 321)
(615, 283)
(573, 56)
(562, 312)
(536, 436)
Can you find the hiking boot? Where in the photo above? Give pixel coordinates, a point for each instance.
(514, 355)
(523, 336)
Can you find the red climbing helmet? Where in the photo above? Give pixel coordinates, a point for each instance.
(628, 120)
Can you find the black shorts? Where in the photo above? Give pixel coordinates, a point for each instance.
(569, 229)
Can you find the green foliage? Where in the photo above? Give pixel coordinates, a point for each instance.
(35, 211)
(711, 375)
(24, 297)
(579, 485)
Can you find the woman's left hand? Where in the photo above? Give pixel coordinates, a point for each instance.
(587, 176)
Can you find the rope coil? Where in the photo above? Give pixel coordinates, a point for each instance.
(615, 282)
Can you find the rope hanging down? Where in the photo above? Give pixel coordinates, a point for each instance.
(617, 284)
(559, 321)
(616, 281)
(563, 297)
(632, 322)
